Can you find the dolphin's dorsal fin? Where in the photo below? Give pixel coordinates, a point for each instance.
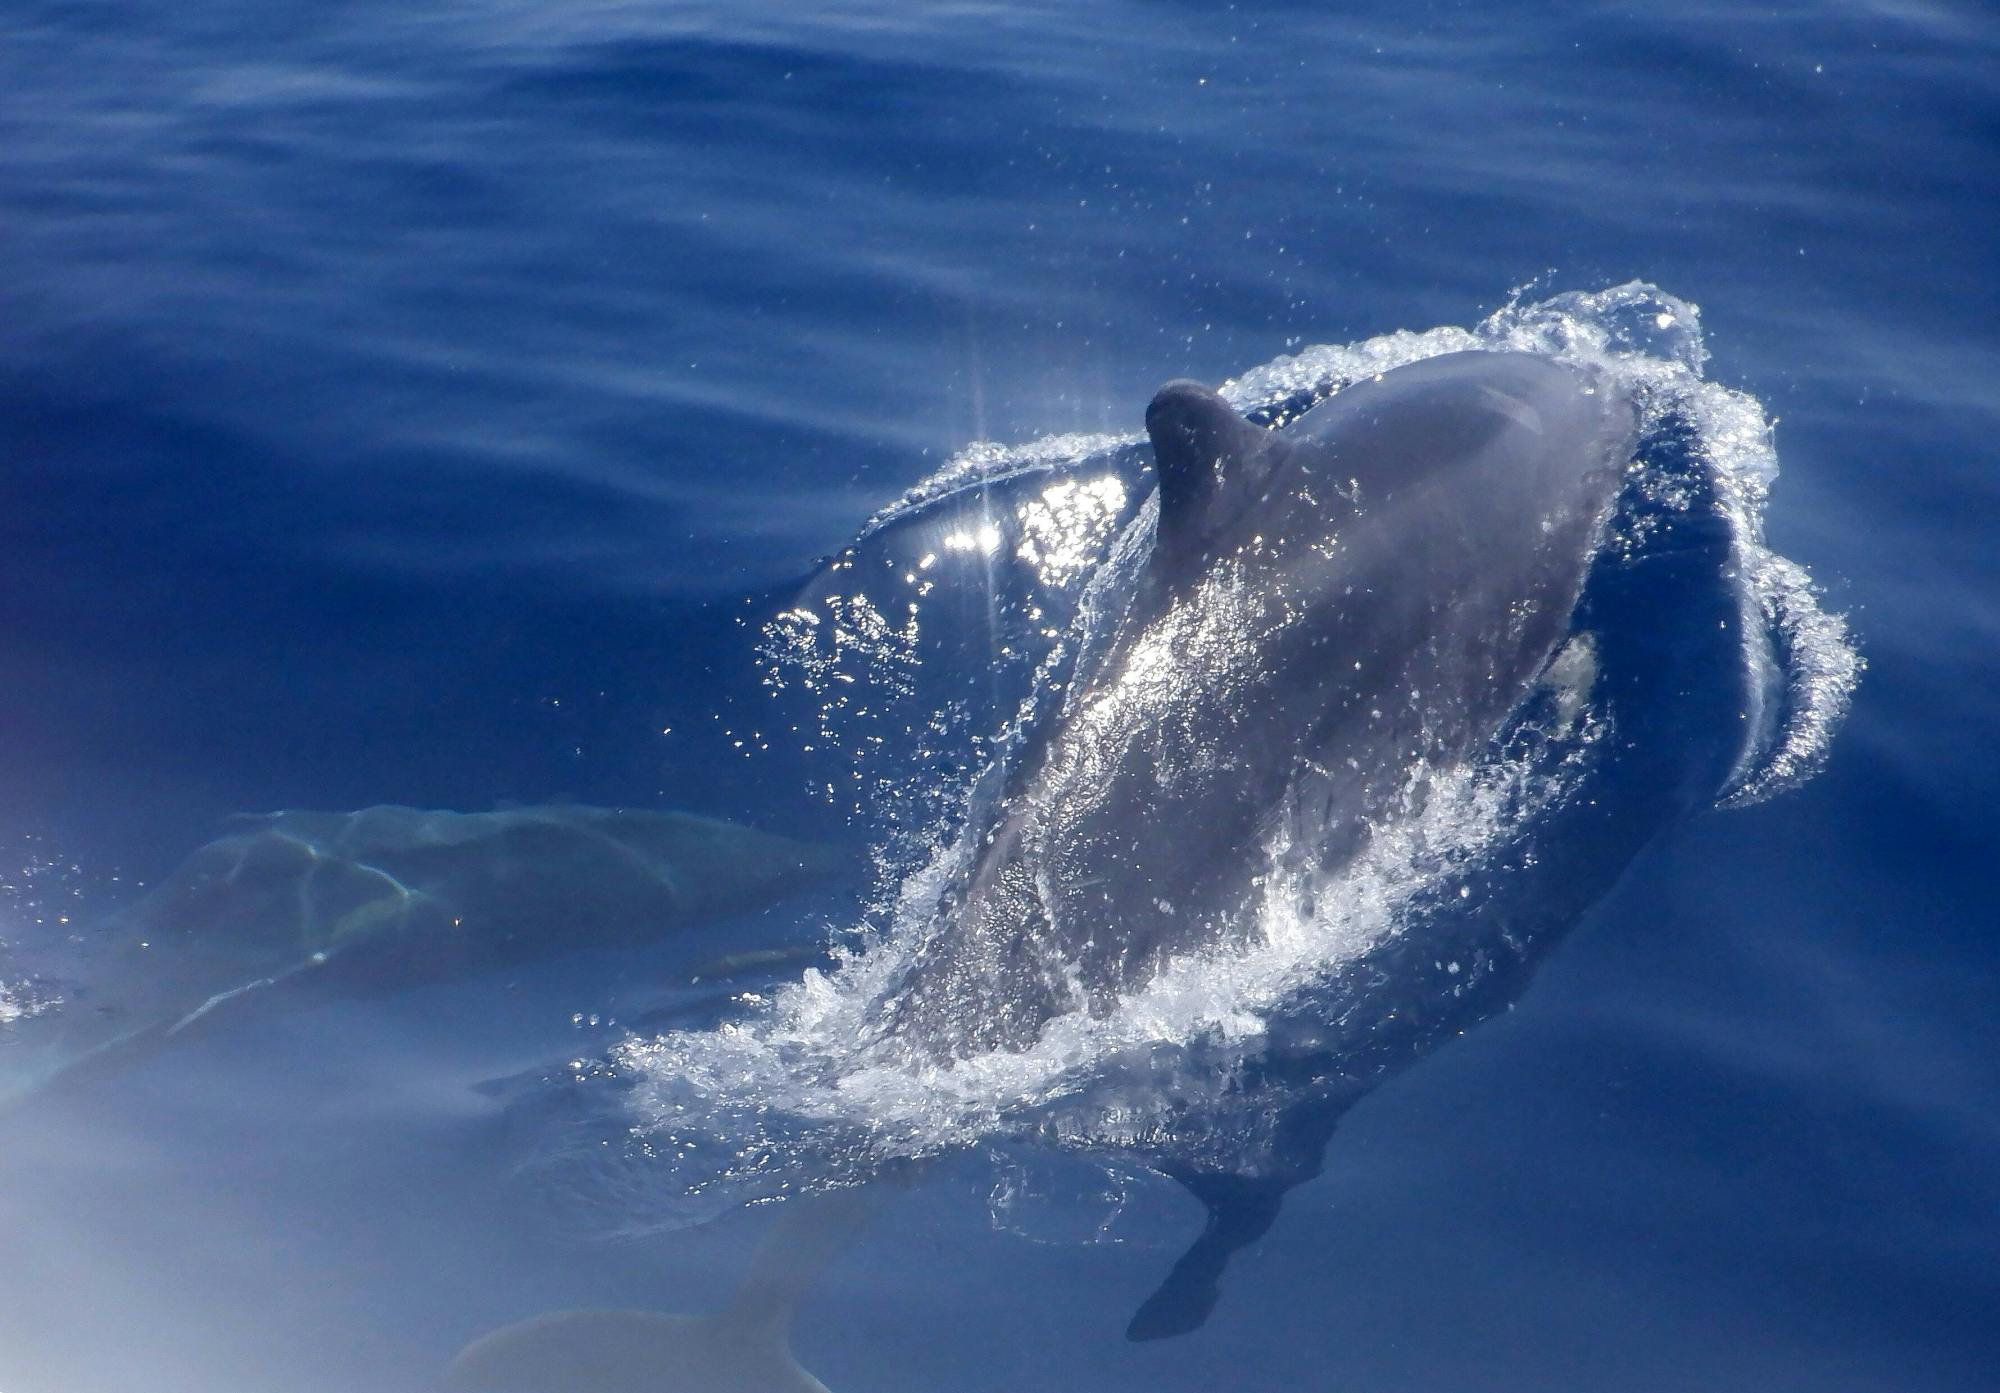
(1200, 444)
(608, 1351)
(742, 1349)
(810, 1232)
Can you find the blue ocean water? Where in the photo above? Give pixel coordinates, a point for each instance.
(426, 406)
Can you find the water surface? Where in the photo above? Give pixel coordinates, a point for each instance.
(425, 406)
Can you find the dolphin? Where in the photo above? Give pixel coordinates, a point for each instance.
(744, 1348)
(1488, 570)
(1676, 678)
(383, 898)
(1471, 559)
(1329, 606)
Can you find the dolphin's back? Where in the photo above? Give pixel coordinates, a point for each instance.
(1461, 410)
(1359, 597)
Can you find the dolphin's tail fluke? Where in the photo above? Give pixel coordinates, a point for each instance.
(1240, 1209)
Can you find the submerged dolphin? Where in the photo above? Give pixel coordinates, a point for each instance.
(1329, 609)
(387, 897)
(744, 1348)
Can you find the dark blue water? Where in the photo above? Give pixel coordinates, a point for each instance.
(424, 406)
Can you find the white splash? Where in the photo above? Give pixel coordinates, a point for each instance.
(1653, 342)
(1065, 529)
(988, 461)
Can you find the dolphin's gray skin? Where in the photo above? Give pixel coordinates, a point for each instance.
(1369, 591)
(389, 896)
